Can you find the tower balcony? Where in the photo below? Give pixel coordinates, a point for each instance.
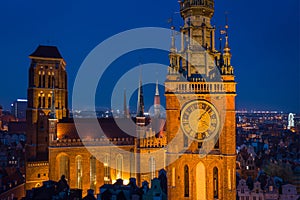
(200, 87)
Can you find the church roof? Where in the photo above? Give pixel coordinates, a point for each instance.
(112, 128)
(46, 52)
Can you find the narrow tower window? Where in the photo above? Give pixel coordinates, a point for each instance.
(40, 79)
(43, 79)
(186, 140)
(186, 181)
(173, 177)
(40, 102)
(49, 81)
(43, 102)
(49, 102)
(216, 183)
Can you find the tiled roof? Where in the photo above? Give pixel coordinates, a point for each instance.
(112, 128)
(108, 125)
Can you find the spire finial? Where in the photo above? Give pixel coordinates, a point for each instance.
(156, 90)
(226, 30)
(220, 39)
(140, 105)
(156, 102)
(173, 48)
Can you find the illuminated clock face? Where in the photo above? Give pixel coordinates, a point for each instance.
(200, 120)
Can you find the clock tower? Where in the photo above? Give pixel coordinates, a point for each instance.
(200, 92)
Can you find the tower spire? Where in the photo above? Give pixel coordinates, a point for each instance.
(126, 113)
(226, 50)
(140, 105)
(156, 90)
(156, 102)
(173, 48)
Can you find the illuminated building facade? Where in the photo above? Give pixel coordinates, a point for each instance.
(54, 147)
(200, 83)
(200, 95)
(47, 80)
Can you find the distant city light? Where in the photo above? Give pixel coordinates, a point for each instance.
(22, 100)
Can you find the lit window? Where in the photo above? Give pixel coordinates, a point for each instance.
(173, 177)
(119, 164)
(64, 166)
(78, 163)
(106, 169)
(152, 167)
(93, 173)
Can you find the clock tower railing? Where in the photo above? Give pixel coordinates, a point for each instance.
(200, 87)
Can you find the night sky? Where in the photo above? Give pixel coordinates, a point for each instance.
(264, 38)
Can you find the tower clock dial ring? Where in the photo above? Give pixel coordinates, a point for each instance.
(199, 120)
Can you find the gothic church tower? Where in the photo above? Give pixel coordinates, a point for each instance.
(47, 103)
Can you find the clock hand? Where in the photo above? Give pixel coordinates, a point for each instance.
(202, 115)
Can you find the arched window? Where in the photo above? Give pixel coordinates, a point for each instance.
(173, 177)
(186, 181)
(132, 163)
(43, 79)
(40, 102)
(49, 81)
(49, 102)
(78, 163)
(40, 79)
(217, 145)
(64, 166)
(216, 182)
(106, 169)
(119, 166)
(43, 102)
(93, 173)
(152, 166)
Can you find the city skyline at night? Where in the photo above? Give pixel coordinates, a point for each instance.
(266, 55)
(179, 100)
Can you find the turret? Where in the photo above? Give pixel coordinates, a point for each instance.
(225, 58)
(197, 29)
(156, 102)
(126, 112)
(140, 116)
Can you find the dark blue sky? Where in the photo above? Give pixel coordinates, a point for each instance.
(264, 37)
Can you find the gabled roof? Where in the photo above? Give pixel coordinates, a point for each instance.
(46, 52)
